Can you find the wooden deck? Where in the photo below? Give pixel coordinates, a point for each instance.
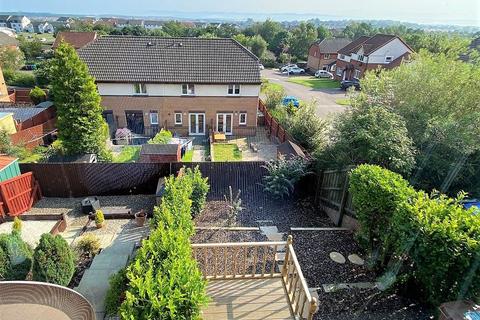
(247, 299)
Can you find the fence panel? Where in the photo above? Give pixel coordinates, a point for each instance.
(20, 193)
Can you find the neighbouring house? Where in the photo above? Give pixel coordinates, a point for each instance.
(17, 23)
(4, 21)
(369, 53)
(322, 55)
(76, 39)
(121, 23)
(152, 24)
(65, 21)
(8, 41)
(160, 153)
(42, 27)
(186, 85)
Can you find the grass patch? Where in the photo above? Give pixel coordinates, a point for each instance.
(315, 83)
(224, 152)
(267, 85)
(344, 102)
(128, 154)
(188, 156)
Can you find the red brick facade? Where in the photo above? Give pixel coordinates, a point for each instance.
(319, 60)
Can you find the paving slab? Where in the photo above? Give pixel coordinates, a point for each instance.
(355, 259)
(345, 286)
(280, 256)
(268, 230)
(337, 257)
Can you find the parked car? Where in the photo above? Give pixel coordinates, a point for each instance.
(288, 66)
(323, 74)
(294, 70)
(345, 84)
(291, 99)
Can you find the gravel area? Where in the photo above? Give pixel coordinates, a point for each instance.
(31, 230)
(265, 211)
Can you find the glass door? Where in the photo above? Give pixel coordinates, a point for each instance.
(196, 123)
(225, 123)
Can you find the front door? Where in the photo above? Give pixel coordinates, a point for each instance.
(196, 124)
(135, 121)
(224, 123)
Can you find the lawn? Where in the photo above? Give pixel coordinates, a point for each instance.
(224, 152)
(315, 83)
(128, 154)
(343, 101)
(49, 38)
(267, 85)
(188, 156)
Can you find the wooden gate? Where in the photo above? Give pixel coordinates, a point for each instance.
(19, 193)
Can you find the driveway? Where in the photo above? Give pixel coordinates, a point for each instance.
(325, 98)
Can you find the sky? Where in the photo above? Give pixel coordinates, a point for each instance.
(459, 12)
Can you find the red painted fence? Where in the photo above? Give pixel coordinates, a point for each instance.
(275, 129)
(19, 194)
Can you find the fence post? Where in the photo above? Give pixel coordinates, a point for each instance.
(318, 189)
(341, 212)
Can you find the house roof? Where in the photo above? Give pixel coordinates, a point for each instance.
(6, 40)
(22, 114)
(332, 45)
(64, 19)
(349, 48)
(369, 44)
(170, 60)
(76, 39)
(160, 149)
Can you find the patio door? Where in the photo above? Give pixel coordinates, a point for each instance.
(225, 123)
(196, 124)
(135, 121)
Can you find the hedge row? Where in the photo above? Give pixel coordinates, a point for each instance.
(429, 241)
(164, 281)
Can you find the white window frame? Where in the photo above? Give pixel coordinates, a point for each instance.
(326, 56)
(235, 89)
(244, 123)
(342, 57)
(339, 72)
(142, 88)
(175, 118)
(156, 114)
(388, 60)
(188, 89)
(333, 67)
(356, 74)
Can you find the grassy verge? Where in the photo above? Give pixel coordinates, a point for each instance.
(128, 154)
(343, 101)
(188, 156)
(224, 152)
(315, 83)
(269, 86)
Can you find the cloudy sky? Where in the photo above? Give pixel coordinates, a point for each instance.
(461, 12)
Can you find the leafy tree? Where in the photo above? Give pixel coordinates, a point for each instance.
(279, 43)
(370, 134)
(226, 30)
(258, 45)
(323, 32)
(53, 260)
(42, 73)
(268, 30)
(81, 127)
(174, 29)
(302, 37)
(283, 174)
(37, 95)
(11, 59)
(358, 29)
(200, 189)
(163, 137)
(308, 128)
(30, 48)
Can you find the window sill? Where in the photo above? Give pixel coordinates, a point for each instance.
(188, 95)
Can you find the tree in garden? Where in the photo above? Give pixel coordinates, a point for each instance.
(31, 48)
(53, 260)
(81, 127)
(37, 95)
(162, 137)
(307, 128)
(17, 257)
(370, 134)
(258, 46)
(323, 32)
(282, 176)
(358, 29)
(302, 37)
(11, 59)
(200, 189)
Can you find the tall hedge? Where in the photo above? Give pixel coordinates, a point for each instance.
(431, 241)
(200, 189)
(164, 280)
(53, 260)
(18, 260)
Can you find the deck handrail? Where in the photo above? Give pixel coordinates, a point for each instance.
(240, 260)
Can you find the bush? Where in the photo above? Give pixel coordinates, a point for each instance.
(4, 264)
(376, 194)
(116, 292)
(200, 189)
(283, 174)
(88, 244)
(37, 95)
(53, 260)
(17, 225)
(19, 256)
(21, 79)
(163, 137)
(308, 128)
(274, 97)
(99, 217)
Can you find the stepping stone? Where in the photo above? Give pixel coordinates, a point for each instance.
(267, 230)
(343, 286)
(337, 257)
(355, 259)
(280, 256)
(275, 236)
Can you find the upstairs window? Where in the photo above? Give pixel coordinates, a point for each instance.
(388, 59)
(233, 89)
(140, 88)
(342, 56)
(360, 57)
(326, 56)
(188, 89)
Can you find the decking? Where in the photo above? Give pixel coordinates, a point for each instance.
(247, 299)
(246, 282)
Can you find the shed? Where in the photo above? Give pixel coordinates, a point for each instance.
(8, 168)
(289, 150)
(81, 158)
(160, 153)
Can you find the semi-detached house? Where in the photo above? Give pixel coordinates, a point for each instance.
(369, 53)
(186, 85)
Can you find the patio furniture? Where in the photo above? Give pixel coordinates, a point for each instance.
(90, 205)
(220, 137)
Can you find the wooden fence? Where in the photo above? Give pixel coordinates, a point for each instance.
(272, 125)
(333, 197)
(19, 194)
(85, 179)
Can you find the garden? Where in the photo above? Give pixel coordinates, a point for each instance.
(315, 83)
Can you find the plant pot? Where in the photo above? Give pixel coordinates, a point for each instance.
(100, 225)
(140, 218)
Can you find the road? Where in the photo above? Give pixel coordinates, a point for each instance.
(324, 98)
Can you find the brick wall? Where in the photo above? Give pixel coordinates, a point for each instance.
(167, 106)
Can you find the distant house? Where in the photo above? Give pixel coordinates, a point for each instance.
(42, 27)
(186, 85)
(152, 24)
(76, 39)
(4, 21)
(121, 23)
(369, 53)
(65, 21)
(17, 23)
(322, 55)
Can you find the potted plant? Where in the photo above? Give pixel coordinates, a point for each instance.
(99, 219)
(140, 218)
